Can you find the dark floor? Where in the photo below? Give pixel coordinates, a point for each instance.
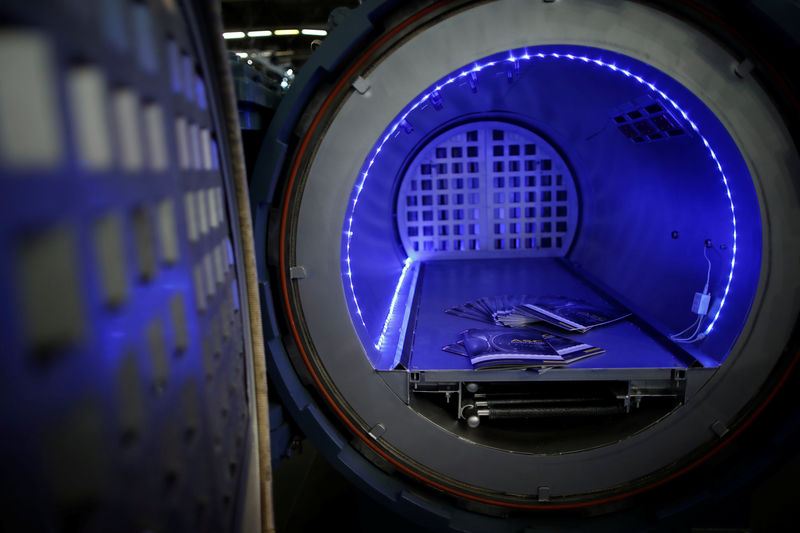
(311, 496)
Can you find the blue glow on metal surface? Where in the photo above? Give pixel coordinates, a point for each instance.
(391, 313)
(513, 58)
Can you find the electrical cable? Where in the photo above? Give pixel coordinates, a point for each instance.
(699, 321)
(694, 324)
(691, 338)
(252, 321)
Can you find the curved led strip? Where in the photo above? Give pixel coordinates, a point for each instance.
(513, 59)
(382, 339)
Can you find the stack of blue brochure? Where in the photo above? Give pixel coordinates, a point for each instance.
(493, 310)
(566, 313)
(518, 348)
(515, 311)
(518, 339)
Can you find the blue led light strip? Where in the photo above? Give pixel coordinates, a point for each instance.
(513, 59)
(382, 339)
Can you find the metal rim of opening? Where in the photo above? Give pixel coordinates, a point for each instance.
(296, 164)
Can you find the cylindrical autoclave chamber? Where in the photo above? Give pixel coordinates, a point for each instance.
(603, 151)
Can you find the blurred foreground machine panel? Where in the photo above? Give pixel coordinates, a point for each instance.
(128, 398)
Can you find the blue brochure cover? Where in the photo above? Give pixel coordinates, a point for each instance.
(518, 348)
(490, 347)
(569, 313)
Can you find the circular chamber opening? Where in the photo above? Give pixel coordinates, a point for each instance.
(547, 263)
(486, 221)
(648, 174)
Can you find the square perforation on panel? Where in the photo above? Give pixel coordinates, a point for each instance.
(487, 188)
(121, 260)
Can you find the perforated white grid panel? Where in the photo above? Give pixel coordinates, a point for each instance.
(484, 189)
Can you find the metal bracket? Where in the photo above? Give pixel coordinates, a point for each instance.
(377, 430)
(361, 85)
(743, 69)
(297, 272)
(544, 494)
(719, 428)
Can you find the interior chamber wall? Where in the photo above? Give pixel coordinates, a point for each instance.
(651, 211)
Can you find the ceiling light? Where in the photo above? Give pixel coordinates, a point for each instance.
(259, 33)
(242, 54)
(307, 31)
(286, 32)
(233, 35)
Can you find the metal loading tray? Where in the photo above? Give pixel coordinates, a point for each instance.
(629, 344)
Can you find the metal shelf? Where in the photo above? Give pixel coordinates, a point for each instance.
(631, 345)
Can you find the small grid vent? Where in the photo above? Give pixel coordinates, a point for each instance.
(487, 189)
(647, 120)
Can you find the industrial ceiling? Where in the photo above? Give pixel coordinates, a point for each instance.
(250, 26)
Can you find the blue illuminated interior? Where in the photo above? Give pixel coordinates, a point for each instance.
(667, 205)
